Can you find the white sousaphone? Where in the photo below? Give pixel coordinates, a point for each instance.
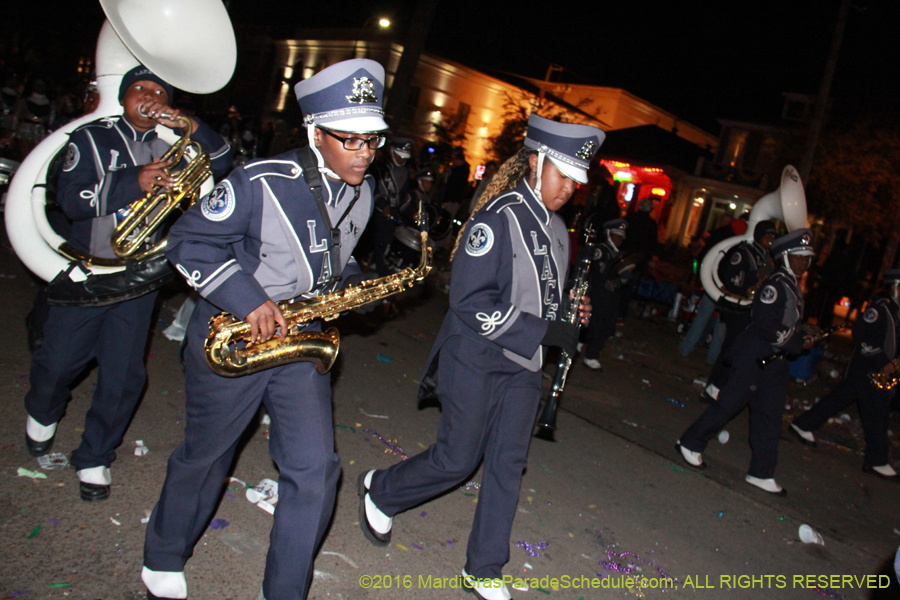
(786, 204)
(190, 44)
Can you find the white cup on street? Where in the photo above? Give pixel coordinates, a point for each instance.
(808, 535)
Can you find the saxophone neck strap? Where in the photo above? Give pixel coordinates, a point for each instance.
(313, 179)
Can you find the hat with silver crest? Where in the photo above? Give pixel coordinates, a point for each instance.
(569, 146)
(798, 242)
(346, 97)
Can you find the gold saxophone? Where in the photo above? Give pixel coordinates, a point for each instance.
(319, 348)
(883, 381)
(147, 214)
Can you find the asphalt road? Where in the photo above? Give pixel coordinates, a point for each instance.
(607, 501)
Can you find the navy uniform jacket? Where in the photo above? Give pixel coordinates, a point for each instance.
(99, 178)
(738, 270)
(775, 316)
(508, 277)
(259, 235)
(875, 336)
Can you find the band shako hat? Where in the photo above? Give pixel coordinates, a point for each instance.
(617, 226)
(797, 242)
(569, 146)
(402, 146)
(142, 73)
(346, 97)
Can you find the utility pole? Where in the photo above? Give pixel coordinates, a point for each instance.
(409, 60)
(818, 118)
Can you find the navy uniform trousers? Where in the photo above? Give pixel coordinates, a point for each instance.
(301, 442)
(489, 405)
(763, 390)
(874, 410)
(114, 335)
(603, 321)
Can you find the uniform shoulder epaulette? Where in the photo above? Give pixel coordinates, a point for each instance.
(508, 199)
(273, 167)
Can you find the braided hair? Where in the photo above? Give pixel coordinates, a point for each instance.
(507, 177)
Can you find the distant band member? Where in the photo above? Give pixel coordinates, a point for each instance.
(875, 338)
(606, 291)
(775, 316)
(739, 271)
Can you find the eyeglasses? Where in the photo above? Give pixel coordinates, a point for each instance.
(357, 143)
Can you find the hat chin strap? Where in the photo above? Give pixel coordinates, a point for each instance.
(540, 168)
(320, 160)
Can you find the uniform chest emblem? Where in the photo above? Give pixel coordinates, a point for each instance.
(768, 295)
(363, 91)
(219, 203)
(72, 157)
(480, 240)
(736, 258)
(871, 315)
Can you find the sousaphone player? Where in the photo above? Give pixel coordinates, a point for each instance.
(109, 164)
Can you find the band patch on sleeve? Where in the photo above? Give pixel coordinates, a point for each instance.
(219, 203)
(73, 155)
(480, 240)
(768, 295)
(736, 258)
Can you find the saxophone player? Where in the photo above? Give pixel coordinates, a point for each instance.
(275, 229)
(875, 339)
(506, 304)
(109, 164)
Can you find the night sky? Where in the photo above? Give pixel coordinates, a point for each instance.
(700, 60)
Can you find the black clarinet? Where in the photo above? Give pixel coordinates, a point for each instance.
(762, 362)
(547, 421)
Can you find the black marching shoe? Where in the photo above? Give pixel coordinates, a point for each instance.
(93, 492)
(38, 448)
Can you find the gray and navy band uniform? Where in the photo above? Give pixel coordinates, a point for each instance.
(875, 336)
(775, 315)
(739, 272)
(99, 179)
(506, 284)
(260, 236)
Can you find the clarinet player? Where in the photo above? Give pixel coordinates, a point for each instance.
(506, 302)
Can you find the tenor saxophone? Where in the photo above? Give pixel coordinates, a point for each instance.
(317, 347)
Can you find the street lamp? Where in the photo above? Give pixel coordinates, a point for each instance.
(384, 23)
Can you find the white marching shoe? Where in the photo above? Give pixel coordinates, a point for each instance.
(693, 459)
(805, 437)
(767, 485)
(592, 363)
(486, 589)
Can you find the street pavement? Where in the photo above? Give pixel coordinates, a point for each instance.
(609, 504)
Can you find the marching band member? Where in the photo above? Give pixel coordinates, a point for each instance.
(739, 271)
(109, 164)
(605, 291)
(875, 336)
(505, 306)
(276, 229)
(775, 315)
